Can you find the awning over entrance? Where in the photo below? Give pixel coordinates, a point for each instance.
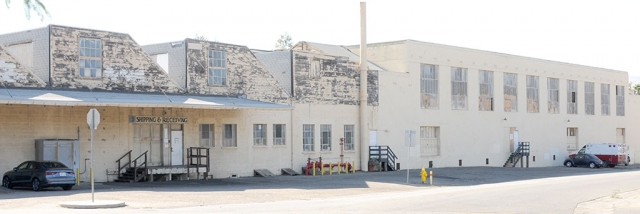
(120, 99)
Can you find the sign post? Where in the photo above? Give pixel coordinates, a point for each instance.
(93, 119)
(409, 141)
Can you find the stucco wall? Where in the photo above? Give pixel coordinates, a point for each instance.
(13, 74)
(472, 135)
(125, 66)
(245, 75)
(23, 124)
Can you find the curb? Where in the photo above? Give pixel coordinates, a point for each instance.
(92, 205)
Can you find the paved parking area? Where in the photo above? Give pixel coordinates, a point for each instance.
(189, 193)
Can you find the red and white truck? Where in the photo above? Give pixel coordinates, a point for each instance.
(611, 154)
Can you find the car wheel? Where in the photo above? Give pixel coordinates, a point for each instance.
(6, 183)
(35, 184)
(628, 161)
(592, 165)
(68, 187)
(568, 164)
(605, 164)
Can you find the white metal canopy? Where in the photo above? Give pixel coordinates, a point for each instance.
(120, 99)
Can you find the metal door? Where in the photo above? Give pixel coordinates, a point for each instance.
(176, 148)
(65, 153)
(49, 150)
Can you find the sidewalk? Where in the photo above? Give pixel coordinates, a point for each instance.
(626, 202)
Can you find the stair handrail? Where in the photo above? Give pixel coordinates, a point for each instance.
(136, 167)
(122, 166)
(392, 158)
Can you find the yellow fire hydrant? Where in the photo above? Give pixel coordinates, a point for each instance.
(423, 175)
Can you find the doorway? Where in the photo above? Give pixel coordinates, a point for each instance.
(513, 139)
(176, 148)
(147, 138)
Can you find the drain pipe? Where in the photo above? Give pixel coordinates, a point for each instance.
(364, 128)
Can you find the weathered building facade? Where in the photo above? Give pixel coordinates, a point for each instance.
(277, 109)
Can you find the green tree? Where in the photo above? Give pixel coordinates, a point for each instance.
(201, 37)
(636, 88)
(34, 5)
(284, 42)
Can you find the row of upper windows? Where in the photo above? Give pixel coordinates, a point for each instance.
(90, 62)
(429, 92)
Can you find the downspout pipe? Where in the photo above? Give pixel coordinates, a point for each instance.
(364, 127)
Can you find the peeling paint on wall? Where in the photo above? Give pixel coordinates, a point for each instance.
(125, 66)
(245, 75)
(323, 79)
(13, 74)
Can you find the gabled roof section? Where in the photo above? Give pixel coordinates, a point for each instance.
(336, 50)
(13, 74)
(278, 63)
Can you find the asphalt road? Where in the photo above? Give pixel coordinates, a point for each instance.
(455, 190)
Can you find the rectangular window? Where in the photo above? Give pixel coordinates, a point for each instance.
(229, 136)
(572, 139)
(458, 88)
(604, 99)
(325, 137)
(307, 138)
(217, 68)
(279, 134)
(589, 98)
(533, 100)
(553, 96)
(572, 97)
(206, 135)
(314, 68)
(259, 134)
(349, 137)
(619, 100)
(485, 101)
(429, 140)
(429, 86)
(90, 58)
(510, 92)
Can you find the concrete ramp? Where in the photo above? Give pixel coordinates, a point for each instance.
(289, 171)
(262, 173)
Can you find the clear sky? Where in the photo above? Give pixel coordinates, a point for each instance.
(602, 34)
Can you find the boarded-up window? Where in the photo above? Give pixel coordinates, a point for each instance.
(510, 92)
(485, 101)
(572, 138)
(206, 135)
(604, 99)
(429, 86)
(553, 96)
(572, 97)
(429, 140)
(458, 88)
(619, 100)
(314, 68)
(22, 52)
(533, 100)
(589, 98)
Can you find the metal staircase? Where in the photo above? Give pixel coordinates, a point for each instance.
(383, 154)
(518, 156)
(134, 171)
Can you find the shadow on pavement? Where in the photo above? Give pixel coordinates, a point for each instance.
(453, 176)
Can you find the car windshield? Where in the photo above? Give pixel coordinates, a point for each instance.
(53, 165)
